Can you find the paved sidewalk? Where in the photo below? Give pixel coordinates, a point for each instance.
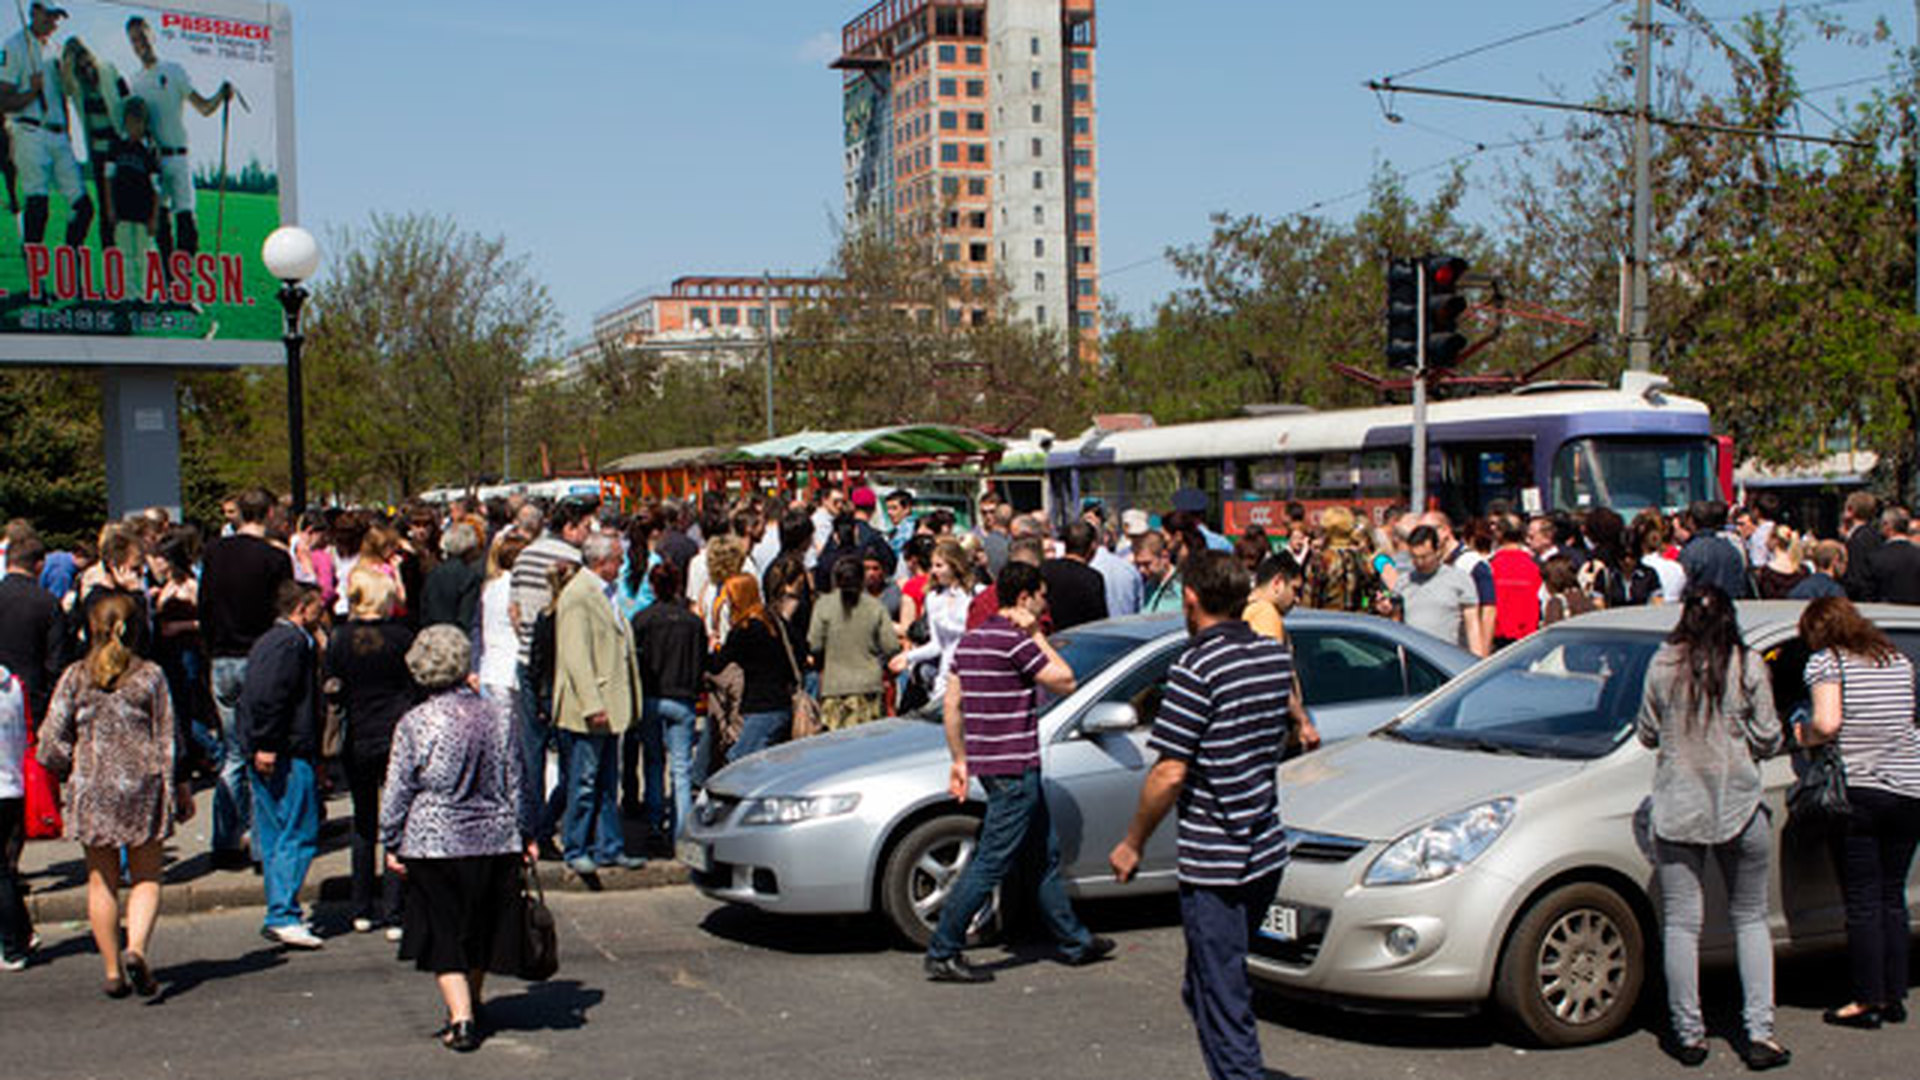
(56, 871)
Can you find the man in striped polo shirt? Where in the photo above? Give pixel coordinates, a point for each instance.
(1220, 735)
(994, 737)
(571, 522)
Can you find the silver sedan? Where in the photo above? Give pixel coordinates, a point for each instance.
(861, 820)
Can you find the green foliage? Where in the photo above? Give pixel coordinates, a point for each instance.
(50, 465)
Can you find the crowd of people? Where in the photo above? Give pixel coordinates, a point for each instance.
(496, 682)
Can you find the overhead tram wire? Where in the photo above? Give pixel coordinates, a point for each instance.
(1511, 39)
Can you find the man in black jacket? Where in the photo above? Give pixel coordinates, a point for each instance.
(31, 628)
(1896, 565)
(279, 717)
(1076, 593)
(1859, 520)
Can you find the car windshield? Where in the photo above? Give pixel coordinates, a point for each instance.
(1560, 694)
(1088, 654)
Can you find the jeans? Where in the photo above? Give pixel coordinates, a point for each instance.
(1681, 870)
(366, 773)
(232, 786)
(1017, 823)
(591, 827)
(1876, 852)
(1218, 923)
(759, 731)
(16, 927)
(286, 826)
(642, 757)
(536, 732)
(676, 727)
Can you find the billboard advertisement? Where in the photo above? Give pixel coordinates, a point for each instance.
(148, 152)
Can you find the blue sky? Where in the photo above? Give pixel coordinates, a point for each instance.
(619, 144)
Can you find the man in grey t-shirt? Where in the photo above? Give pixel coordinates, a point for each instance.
(1436, 597)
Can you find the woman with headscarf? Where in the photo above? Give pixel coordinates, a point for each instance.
(456, 823)
(756, 642)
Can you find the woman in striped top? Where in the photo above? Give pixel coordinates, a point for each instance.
(1863, 698)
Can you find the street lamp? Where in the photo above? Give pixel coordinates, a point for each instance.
(292, 255)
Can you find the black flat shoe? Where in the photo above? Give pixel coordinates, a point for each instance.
(955, 969)
(1097, 950)
(1894, 1012)
(115, 987)
(1865, 1019)
(1761, 1056)
(463, 1037)
(139, 974)
(1692, 1055)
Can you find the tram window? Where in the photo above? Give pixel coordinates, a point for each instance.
(1151, 487)
(1629, 475)
(1266, 478)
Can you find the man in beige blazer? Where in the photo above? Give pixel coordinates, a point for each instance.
(596, 696)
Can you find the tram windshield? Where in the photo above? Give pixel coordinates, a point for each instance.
(1628, 475)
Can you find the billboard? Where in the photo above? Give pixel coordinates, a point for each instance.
(148, 151)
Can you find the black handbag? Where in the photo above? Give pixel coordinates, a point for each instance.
(540, 938)
(1820, 791)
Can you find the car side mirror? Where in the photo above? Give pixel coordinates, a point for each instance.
(1109, 717)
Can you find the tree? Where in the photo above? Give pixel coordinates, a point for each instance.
(50, 443)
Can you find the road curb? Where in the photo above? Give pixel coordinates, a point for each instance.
(239, 891)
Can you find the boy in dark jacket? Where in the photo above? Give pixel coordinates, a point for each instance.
(279, 717)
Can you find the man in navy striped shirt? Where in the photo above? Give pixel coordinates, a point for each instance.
(994, 737)
(1220, 734)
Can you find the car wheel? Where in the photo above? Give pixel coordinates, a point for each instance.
(920, 876)
(1573, 967)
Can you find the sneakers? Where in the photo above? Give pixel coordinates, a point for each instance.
(394, 933)
(954, 969)
(15, 963)
(293, 936)
(362, 924)
(583, 866)
(1100, 948)
(629, 862)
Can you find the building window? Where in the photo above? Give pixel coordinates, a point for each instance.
(1040, 315)
(949, 185)
(1039, 214)
(729, 316)
(1086, 254)
(973, 54)
(756, 318)
(783, 317)
(699, 316)
(1083, 159)
(977, 153)
(976, 186)
(1039, 180)
(1039, 148)
(1039, 281)
(1033, 46)
(1039, 248)
(1083, 125)
(1083, 222)
(950, 252)
(1082, 92)
(953, 219)
(1083, 189)
(950, 153)
(1082, 60)
(1035, 78)
(949, 88)
(1039, 113)
(1083, 319)
(949, 120)
(977, 251)
(977, 219)
(1086, 287)
(976, 88)
(953, 316)
(976, 121)
(947, 54)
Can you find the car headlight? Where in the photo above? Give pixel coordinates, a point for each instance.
(787, 809)
(1441, 847)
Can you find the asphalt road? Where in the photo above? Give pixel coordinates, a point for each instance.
(666, 984)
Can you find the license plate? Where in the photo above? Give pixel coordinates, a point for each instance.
(1282, 923)
(697, 856)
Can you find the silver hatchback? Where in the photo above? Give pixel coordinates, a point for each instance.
(1492, 844)
(860, 820)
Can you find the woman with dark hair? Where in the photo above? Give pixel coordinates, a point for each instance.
(108, 738)
(348, 534)
(366, 669)
(1608, 569)
(673, 653)
(456, 823)
(1863, 698)
(633, 592)
(755, 643)
(1708, 712)
(855, 639)
(178, 648)
(418, 555)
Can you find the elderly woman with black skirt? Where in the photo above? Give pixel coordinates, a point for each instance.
(454, 822)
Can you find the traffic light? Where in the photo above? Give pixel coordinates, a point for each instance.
(1403, 314)
(1445, 305)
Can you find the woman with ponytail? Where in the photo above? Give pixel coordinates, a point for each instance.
(852, 632)
(109, 738)
(1708, 713)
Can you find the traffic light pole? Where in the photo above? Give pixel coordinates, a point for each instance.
(1639, 339)
(1417, 466)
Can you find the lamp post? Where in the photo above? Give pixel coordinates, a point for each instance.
(292, 255)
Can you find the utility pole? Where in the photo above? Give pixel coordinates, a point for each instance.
(1639, 343)
(506, 433)
(1417, 466)
(766, 308)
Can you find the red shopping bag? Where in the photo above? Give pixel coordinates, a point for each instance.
(43, 792)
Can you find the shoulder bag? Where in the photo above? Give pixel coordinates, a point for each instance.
(806, 711)
(539, 938)
(1819, 791)
(725, 688)
(42, 791)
